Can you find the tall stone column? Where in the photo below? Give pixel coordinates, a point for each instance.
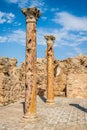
(50, 68)
(31, 14)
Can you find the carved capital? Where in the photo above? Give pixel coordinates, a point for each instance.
(50, 39)
(31, 14)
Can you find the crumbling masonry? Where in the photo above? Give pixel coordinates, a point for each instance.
(70, 78)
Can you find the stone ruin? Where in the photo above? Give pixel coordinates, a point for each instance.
(11, 85)
(70, 78)
(63, 78)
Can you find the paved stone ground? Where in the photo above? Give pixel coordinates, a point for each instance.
(65, 114)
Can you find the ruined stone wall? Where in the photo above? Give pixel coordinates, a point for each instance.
(60, 73)
(41, 76)
(70, 77)
(10, 81)
(77, 77)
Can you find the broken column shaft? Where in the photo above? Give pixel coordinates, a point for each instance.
(31, 14)
(50, 69)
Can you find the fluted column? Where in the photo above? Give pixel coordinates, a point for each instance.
(31, 14)
(50, 68)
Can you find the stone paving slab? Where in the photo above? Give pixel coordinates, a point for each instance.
(64, 114)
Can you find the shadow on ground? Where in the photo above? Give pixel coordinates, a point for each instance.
(23, 103)
(41, 93)
(79, 107)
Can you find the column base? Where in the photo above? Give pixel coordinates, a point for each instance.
(30, 116)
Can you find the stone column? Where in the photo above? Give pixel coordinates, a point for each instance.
(50, 68)
(31, 14)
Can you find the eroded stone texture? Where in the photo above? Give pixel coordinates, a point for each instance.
(10, 82)
(70, 78)
(50, 68)
(77, 85)
(22, 77)
(31, 14)
(77, 77)
(60, 76)
(41, 76)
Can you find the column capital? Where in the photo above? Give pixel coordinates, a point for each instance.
(50, 39)
(31, 14)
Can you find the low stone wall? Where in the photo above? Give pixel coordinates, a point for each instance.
(70, 78)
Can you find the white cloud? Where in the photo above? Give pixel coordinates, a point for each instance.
(70, 54)
(40, 4)
(73, 31)
(36, 3)
(28, 3)
(6, 17)
(44, 18)
(54, 9)
(13, 1)
(71, 22)
(41, 32)
(3, 39)
(17, 36)
(82, 38)
(17, 24)
(78, 50)
(64, 38)
(21, 3)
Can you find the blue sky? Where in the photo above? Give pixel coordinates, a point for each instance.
(65, 19)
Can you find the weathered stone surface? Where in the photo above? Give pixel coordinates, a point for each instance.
(10, 82)
(77, 77)
(77, 85)
(22, 78)
(70, 77)
(50, 68)
(41, 76)
(31, 14)
(60, 73)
